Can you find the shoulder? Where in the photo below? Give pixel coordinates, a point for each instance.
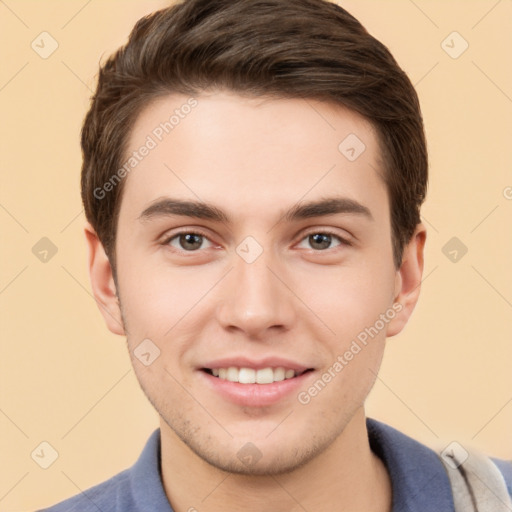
(505, 467)
(418, 477)
(112, 495)
(422, 476)
(136, 488)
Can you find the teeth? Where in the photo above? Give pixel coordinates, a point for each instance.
(251, 376)
(265, 376)
(245, 376)
(289, 374)
(232, 374)
(279, 374)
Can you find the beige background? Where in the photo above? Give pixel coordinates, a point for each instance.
(67, 381)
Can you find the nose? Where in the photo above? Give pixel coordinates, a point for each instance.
(255, 299)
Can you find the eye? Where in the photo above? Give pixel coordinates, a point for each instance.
(323, 240)
(188, 241)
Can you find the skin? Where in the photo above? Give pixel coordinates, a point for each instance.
(254, 159)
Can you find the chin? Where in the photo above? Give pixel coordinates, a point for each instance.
(250, 461)
(256, 455)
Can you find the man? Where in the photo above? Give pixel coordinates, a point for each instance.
(253, 175)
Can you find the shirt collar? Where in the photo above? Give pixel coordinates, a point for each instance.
(146, 478)
(418, 479)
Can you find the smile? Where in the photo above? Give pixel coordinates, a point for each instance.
(244, 375)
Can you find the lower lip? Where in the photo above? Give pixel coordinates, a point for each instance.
(255, 395)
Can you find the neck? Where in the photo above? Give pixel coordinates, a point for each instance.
(347, 476)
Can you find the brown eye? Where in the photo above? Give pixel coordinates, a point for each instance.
(321, 241)
(188, 241)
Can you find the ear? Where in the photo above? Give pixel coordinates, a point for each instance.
(102, 282)
(408, 280)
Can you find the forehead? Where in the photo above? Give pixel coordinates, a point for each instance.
(242, 152)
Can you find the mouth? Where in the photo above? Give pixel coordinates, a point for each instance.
(246, 383)
(245, 375)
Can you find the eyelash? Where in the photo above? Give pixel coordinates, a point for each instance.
(168, 239)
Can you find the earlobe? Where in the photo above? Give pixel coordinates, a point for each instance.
(408, 280)
(102, 282)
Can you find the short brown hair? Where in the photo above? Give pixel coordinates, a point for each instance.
(283, 48)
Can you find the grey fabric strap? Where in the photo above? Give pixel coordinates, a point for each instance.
(477, 483)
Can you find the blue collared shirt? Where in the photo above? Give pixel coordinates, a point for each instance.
(418, 478)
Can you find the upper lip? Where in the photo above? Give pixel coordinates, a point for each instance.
(256, 364)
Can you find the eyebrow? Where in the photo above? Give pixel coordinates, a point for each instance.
(197, 209)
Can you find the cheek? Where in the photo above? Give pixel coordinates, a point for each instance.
(352, 298)
(155, 298)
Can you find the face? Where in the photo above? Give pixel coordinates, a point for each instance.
(254, 245)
